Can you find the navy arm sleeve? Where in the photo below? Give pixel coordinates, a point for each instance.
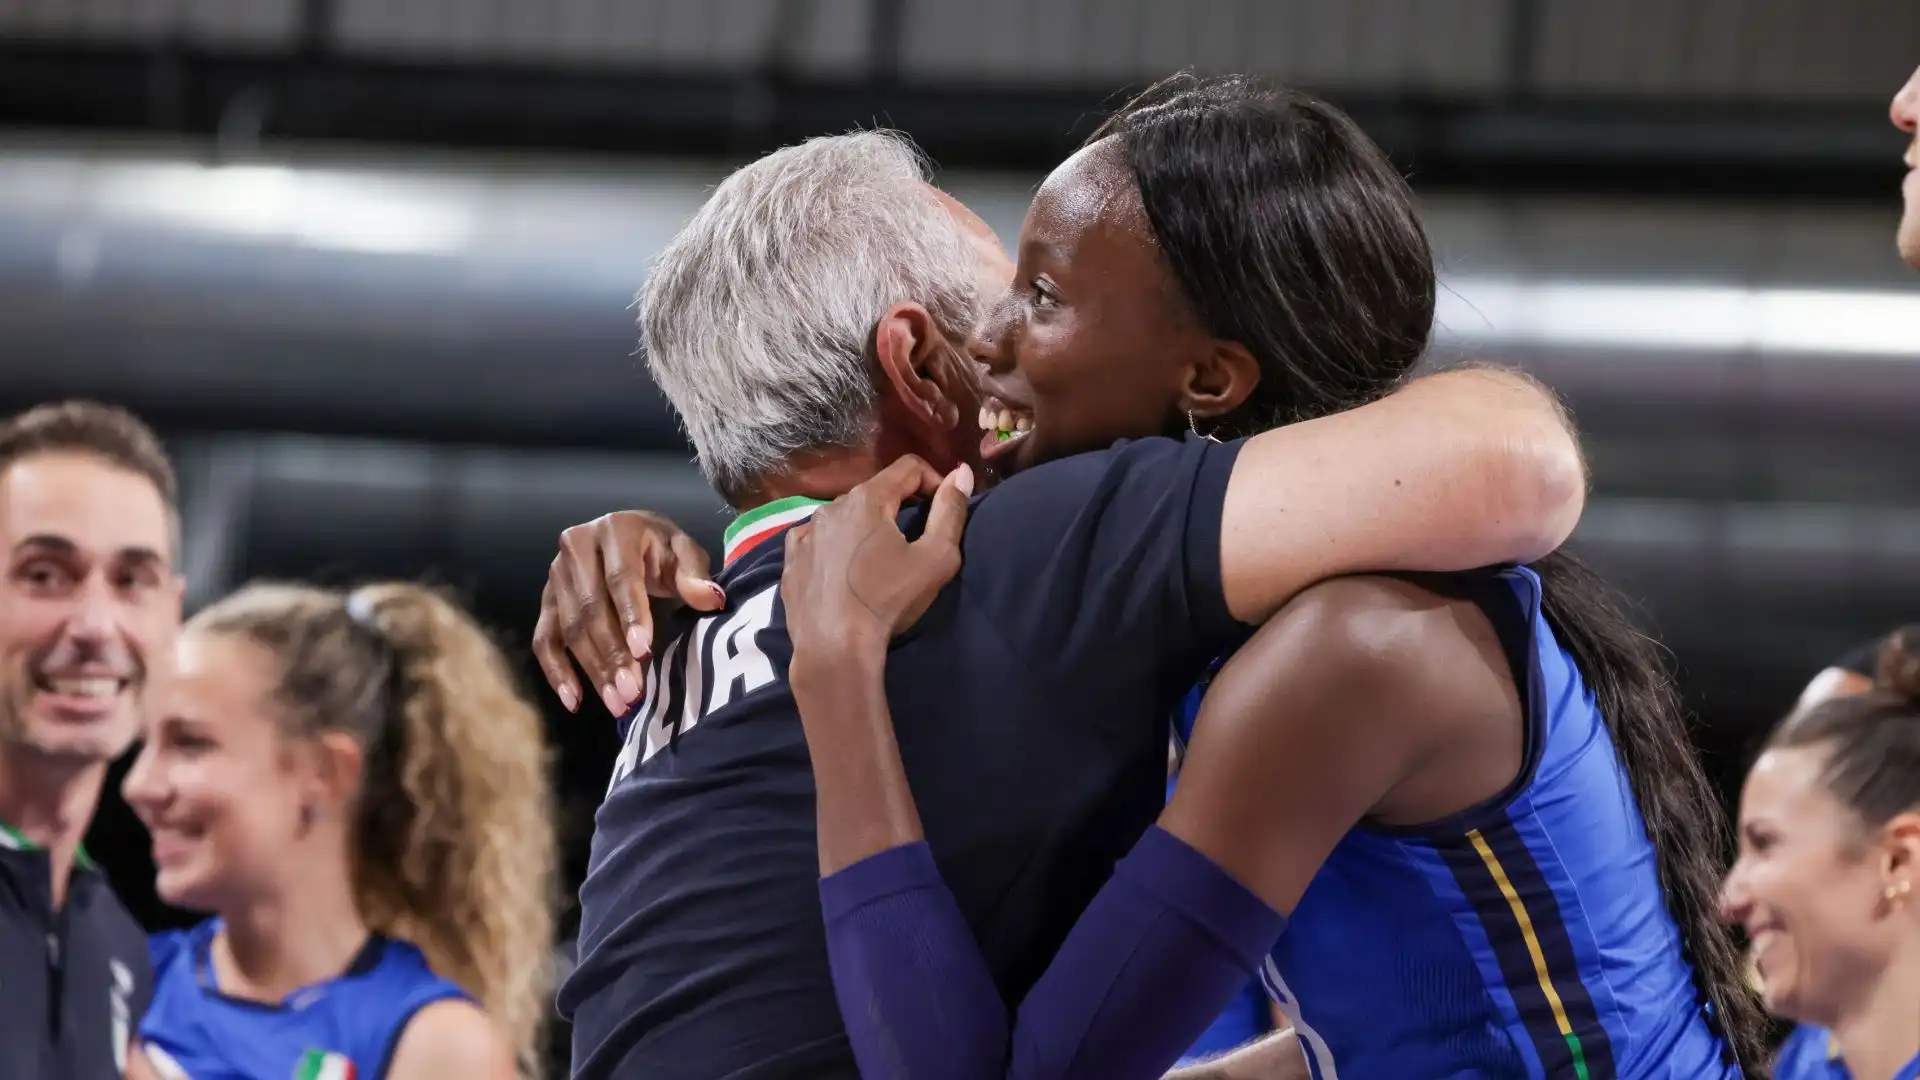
(1163, 948)
(1101, 572)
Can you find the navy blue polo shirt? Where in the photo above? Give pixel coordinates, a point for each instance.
(1031, 704)
(73, 983)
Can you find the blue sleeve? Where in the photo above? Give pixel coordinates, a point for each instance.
(1108, 566)
(1163, 948)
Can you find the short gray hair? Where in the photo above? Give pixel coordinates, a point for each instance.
(757, 318)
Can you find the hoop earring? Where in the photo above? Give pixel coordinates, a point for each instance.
(1195, 428)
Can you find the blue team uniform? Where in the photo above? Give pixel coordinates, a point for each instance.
(1527, 937)
(346, 1027)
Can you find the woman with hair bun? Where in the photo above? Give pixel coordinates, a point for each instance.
(1825, 882)
(352, 785)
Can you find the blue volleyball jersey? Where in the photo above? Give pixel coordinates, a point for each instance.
(1527, 937)
(344, 1028)
(1810, 1053)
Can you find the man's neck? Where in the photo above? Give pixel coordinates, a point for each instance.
(815, 474)
(270, 947)
(49, 802)
(1882, 1033)
(789, 497)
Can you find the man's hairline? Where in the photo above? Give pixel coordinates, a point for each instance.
(176, 528)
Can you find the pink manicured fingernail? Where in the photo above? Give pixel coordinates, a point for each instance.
(628, 686)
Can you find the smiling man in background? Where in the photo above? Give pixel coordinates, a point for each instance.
(1906, 117)
(89, 604)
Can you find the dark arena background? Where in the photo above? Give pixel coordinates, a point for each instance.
(369, 266)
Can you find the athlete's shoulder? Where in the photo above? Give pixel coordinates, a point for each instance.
(451, 1038)
(1376, 654)
(380, 999)
(1393, 629)
(1358, 648)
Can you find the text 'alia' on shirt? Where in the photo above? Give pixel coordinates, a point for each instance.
(1526, 937)
(1030, 703)
(343, 1028)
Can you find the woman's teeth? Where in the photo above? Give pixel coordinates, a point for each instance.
(1003, 422)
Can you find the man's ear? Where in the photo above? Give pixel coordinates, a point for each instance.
(910, 351)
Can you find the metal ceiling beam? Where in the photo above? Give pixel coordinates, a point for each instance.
(1502, 144)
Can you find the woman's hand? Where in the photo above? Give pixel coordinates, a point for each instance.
(852, 580)
(597, 605)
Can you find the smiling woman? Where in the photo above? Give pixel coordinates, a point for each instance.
(353, 787)
(1829, 854)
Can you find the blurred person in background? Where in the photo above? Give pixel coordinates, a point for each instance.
(353, 786)
(88, 616)
(1906, 117)
(1825, 882)
(807, 325)
(1812, 1047)
(1851, 674)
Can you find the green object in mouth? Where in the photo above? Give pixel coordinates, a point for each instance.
(1005, 435)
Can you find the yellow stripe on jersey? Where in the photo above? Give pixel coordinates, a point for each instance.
(1533, 948)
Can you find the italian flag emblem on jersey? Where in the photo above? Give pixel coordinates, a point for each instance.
(320, 1065)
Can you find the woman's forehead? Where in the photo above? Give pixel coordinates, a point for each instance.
(1092, 186)
(1785, 779)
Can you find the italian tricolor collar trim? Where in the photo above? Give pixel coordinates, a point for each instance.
(757, 524)
(12, 839)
